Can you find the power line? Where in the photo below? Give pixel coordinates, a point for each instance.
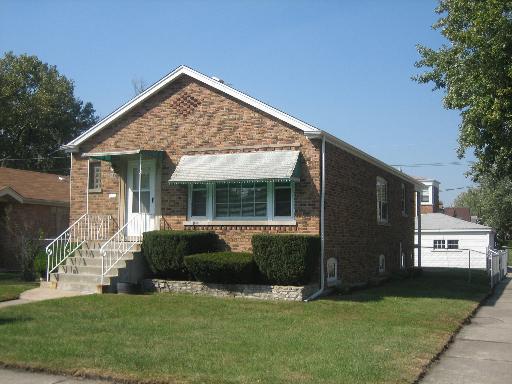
(417, 165)
(36, 158)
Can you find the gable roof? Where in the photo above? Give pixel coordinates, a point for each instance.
(306, 128)
(438, 222)
(184, 70)
(29, 187)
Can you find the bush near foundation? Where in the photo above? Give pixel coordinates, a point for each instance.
(286, 259)
(222, 267)
(164, 250)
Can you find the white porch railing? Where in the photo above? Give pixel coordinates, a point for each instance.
(122, 242)
(496, 265)
(87, 227)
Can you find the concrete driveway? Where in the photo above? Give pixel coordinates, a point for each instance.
(482, 351)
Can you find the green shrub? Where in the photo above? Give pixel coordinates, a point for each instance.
(222, 267)
(40, 263)
(164, 250)
(286, 259)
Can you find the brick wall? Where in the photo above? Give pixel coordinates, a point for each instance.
(352, 234)
(188, 117)
(52, 220)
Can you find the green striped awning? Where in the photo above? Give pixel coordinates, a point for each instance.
(108, 156)
(237, 167)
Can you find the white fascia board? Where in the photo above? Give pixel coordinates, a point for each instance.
(418, 185)
(461, 231)
(8, 191)
(184, 70)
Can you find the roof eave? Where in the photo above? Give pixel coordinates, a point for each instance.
(418, 186)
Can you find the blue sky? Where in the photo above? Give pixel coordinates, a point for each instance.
(343, 66)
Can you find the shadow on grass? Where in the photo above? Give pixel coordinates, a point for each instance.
(11, 320)
(445, 283)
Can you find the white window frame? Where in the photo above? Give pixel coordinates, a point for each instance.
(332, 279)
(402, 257)
(429, 193)
(403, 200)
(208, 202)
(439, 244)
(211, 217)
(448, 244)
(380, 218)
(91, 175)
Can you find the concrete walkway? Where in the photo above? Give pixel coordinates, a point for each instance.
(39, 294)
(13, 376)
(482, 351)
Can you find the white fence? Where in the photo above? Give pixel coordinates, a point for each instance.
(496, 265)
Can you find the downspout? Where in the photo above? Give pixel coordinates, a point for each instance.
(140, 176)
(322, 231)
(87, 184)
(418, 216)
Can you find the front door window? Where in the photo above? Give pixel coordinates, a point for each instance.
(140, 204)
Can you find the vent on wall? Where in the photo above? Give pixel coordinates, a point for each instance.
(185, 104)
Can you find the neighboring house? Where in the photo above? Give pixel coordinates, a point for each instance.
(458, 212)
(193, 153)
(34, 203)
(453, 243)
(448, 237)
(429, 201)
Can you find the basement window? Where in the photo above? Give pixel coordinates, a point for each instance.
(94, 176)
(332, 271)
(382, 264)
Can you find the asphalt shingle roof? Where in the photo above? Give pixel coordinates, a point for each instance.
(440, 221)
(35, 185)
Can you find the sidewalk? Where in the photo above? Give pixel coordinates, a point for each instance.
(482, 351)
(39, 294)
(13, 376)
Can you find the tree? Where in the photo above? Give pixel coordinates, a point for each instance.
(139, 85)
(475, 72)
(38, 113)
(492, 202)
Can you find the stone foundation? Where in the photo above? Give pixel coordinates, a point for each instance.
(253, 291)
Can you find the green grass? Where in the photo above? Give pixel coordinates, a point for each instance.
(11, 286)
(380, 335)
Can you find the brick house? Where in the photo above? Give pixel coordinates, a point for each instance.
(35, 203)
(209, 157)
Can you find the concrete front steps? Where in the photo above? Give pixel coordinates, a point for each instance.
(81, 272)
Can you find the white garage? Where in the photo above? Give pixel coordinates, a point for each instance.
(452, 243)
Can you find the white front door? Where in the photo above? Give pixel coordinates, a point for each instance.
(143, 218)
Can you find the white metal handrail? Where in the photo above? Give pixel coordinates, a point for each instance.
(122, 242)
(87, 227)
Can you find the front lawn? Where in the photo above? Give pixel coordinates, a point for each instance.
(380, 335)
(11, 286)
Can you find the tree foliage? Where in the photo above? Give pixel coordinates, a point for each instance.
(491, 201)
(38, 113)
(475, 72)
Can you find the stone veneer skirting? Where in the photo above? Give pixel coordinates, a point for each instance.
(254, 291)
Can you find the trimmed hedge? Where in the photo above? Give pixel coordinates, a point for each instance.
(222, 267)
(164, 250)
(286, 259)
